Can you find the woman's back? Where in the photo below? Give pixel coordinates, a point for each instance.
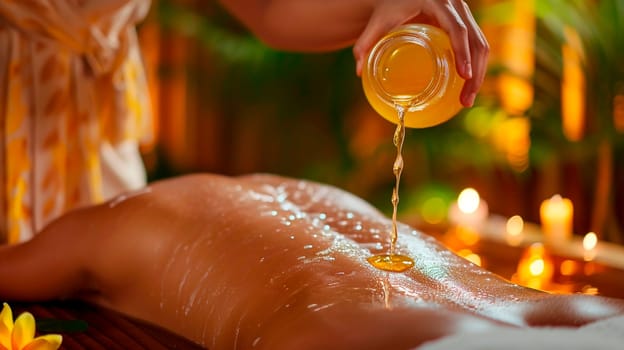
(269, 262)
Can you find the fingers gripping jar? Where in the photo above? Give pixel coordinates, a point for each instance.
(413, 67)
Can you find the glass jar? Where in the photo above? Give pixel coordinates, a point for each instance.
(413, 67)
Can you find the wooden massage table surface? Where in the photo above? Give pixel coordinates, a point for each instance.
(84, 326)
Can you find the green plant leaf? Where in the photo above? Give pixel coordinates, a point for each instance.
(51, 325)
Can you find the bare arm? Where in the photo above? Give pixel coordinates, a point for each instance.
(320, 25)
(50, 266)
(86, 253)
(303, 25)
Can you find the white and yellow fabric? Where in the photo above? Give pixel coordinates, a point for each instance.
(74, 107)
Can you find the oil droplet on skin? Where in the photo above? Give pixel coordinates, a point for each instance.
(391, 262)
(394, 262)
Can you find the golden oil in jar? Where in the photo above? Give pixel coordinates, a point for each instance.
(413, 67)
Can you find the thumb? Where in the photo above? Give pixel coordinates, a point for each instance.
(374, 30)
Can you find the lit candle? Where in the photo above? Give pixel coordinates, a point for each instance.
(556, 218)
(514, 230)
(535, 269)
(590, 241)
(469, 211)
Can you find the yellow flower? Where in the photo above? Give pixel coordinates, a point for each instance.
(21, 334)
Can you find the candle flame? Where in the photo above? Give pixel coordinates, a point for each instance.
(536, 268)
(515, 225)
(590, 241)
(468, 201)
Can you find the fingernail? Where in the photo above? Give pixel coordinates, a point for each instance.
(358, 67)
(468, 70)
(471, 99)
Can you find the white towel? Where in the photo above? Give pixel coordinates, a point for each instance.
(606, 334)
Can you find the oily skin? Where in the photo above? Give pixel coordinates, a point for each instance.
(271, 263)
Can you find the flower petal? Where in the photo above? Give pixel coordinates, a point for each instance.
(6, 326)
(24, 330)
(46, 342)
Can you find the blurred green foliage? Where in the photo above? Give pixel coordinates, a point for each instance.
(301, 94)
